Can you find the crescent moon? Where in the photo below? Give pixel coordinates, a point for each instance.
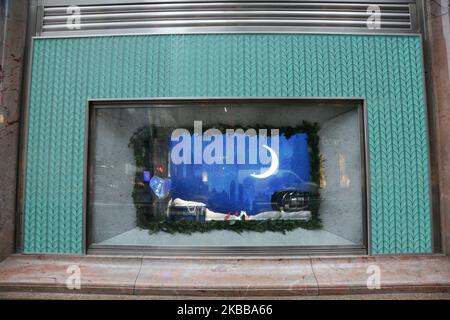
(273, 166)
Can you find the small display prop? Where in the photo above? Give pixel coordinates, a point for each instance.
(160, 186)
(290, 201)
(176, 197)
(146, 176)
(187, 210)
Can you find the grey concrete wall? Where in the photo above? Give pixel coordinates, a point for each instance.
(13, 14)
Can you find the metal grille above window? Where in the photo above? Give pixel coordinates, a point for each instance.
(112, 16)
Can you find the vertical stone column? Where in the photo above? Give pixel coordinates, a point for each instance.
(13, 16)
(439, 51)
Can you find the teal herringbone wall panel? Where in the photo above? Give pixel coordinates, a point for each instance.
(386, 70)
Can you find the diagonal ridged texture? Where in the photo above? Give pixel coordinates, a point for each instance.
(386, 70)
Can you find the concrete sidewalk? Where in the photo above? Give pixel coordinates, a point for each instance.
(192, 277)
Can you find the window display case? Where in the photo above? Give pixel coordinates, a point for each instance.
(227, 173)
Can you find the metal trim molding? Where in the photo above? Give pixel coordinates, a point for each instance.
(55, 18)
(228, 251)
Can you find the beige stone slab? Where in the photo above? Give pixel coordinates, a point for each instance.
(50, 273)
(227, 277)
(74, 296)
(397, 274)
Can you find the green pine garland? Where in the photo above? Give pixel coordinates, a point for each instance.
(141, 141)
(189, 227)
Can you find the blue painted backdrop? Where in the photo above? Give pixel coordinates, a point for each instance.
(230, 187)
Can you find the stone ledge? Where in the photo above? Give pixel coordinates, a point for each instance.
(224, 277)
(86, 296)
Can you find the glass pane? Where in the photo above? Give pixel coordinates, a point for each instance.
(227, 174)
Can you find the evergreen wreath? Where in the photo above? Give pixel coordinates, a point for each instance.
(153, 218)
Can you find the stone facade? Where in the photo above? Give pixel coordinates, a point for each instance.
(439, 50)
(13, 14)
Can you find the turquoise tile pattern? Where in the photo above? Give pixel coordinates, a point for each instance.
(386, 70)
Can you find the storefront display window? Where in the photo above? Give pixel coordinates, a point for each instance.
(227, 173)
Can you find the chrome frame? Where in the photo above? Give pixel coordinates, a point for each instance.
(96, 2)
(223, 29)
(94, 104)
